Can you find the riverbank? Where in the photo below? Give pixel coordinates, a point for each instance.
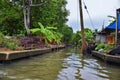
(12, 55)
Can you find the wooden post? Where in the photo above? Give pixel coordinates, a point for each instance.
(116, 30)
(82, 27)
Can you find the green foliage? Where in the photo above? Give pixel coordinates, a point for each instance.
(47, 33)
(11, 19)
(77, 38)
(100, 46)
(68, 34)
(58, 37)
(12, 44)
(1, 35)
(51, 13)
(1, 39)
(105, 47)
(88, 36)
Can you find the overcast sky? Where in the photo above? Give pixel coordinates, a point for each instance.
(98, 10)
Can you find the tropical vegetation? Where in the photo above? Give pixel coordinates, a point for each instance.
(105, 48)
(11, 43)
(48, 23)
(89, 36)
(47, 33)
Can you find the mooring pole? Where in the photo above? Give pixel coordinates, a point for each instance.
(82, 27)
(117, 25)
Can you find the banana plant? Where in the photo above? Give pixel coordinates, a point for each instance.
(47, 33)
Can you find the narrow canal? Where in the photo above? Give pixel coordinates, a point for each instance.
(66, 64)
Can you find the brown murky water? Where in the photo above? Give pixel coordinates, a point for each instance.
(67, 64)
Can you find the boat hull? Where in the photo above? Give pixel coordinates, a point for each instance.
(106, 57)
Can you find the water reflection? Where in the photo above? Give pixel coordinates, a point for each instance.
(71, 68)
(79, 67)
(62, 65)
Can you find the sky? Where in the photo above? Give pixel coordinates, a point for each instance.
(98, 10)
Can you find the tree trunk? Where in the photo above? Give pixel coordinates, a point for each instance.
(26, 12)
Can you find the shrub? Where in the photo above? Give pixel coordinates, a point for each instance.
(100, 46)
(8, 43)
(1, 39)
(11, 45)
(105, 47)
(1, 35)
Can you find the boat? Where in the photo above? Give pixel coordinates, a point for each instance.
(115, 59)
(112, 58)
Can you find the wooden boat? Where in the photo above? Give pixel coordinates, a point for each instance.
(106, 57)
(112, 58)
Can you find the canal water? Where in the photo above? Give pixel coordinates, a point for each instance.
(66, 64)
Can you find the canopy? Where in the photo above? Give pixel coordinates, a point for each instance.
(112, 26)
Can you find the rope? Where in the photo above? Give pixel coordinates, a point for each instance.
(88, 14)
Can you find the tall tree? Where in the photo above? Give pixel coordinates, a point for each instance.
(26, 12)
(68, 34)
(10, 17)
(50, 13)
